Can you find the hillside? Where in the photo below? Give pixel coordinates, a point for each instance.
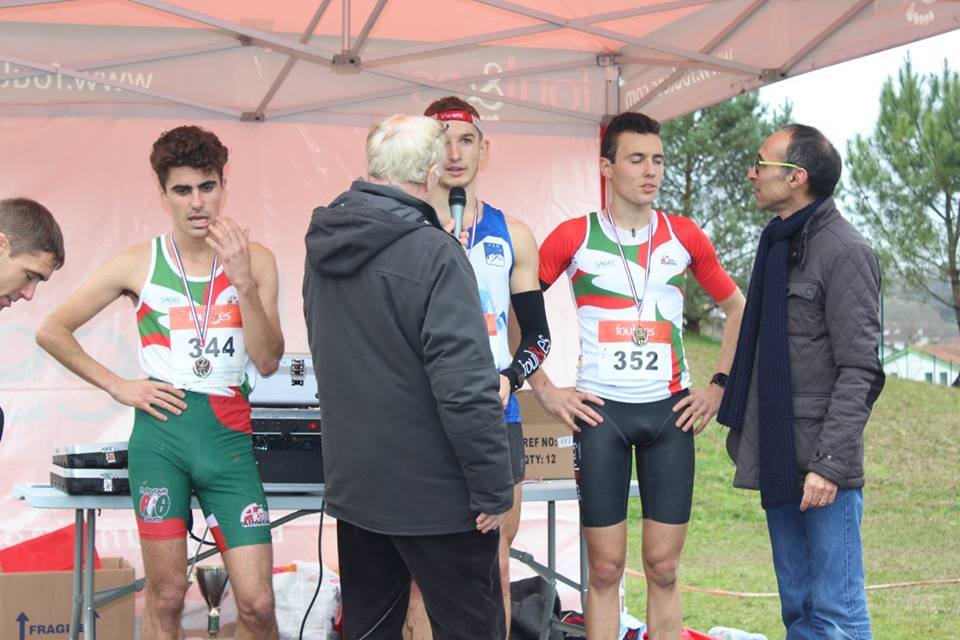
(912, 514)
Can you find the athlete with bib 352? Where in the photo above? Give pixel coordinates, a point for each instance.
(627, 266)
(205, 299)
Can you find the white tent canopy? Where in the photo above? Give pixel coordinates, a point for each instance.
(86, 86)
(524, 61)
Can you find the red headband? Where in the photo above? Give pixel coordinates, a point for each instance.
(458, 114)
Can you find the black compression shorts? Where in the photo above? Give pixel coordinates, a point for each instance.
(665, 463)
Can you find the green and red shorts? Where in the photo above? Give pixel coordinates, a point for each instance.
(207, 451)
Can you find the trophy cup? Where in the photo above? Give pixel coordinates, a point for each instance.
(213, 587)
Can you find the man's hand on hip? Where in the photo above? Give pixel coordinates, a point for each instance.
(698, 408)
(144, 394)
(817, 492)
(568, 404)
(487, 522)
(504, 390)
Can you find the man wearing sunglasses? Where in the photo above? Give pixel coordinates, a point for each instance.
(803, 383)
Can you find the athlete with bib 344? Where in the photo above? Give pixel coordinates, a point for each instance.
(205, 300)
(627, 266)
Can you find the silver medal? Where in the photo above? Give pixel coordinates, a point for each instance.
(201, 366)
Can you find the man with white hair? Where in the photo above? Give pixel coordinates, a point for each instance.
(415, 455)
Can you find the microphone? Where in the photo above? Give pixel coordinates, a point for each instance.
(457, 201)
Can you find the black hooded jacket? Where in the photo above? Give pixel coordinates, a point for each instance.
(414, 441)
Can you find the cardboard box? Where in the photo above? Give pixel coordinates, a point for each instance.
(35, 605)
(548, 442)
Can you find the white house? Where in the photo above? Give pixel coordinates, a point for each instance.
(912, 364)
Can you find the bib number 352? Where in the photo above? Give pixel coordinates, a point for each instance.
(635, 360)
(627, 362)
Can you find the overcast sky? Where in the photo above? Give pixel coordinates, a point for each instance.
(843, 100)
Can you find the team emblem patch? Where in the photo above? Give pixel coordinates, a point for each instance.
(154, 504)
(254, 515)
(494, 254)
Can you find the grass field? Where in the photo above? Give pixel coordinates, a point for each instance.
(911, 525)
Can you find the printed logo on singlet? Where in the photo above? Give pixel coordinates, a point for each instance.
(173, 301)
(254, 515)
(668, 261)
(154, 504)
(224, 316)
(494, 254)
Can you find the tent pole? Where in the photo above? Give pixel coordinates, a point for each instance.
(715, 41)
(291, 60)
(730, 65)
(828, 31)
(11, 4)
(507, 34)
(255, 36)
(390, 93)
(612, 79)
(367, 28)
(345, 35)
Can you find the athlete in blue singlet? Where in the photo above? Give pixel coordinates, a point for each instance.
(505, 259)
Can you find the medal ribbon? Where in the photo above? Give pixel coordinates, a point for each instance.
(201, 332)
(473, 227)
(626, 266)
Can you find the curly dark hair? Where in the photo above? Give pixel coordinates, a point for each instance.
(187, 146)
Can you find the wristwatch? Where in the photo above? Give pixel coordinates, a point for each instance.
(516, 375)
(720, 379)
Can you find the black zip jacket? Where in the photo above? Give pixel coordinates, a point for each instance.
(414, 441)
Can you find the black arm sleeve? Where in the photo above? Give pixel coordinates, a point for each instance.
(534, 337)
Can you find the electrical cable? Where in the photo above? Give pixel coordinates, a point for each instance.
(194, 537)
(403, 593)
(303, 623)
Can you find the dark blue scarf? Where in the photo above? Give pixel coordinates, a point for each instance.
(763, 332)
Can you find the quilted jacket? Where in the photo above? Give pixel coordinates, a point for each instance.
(834, 333)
